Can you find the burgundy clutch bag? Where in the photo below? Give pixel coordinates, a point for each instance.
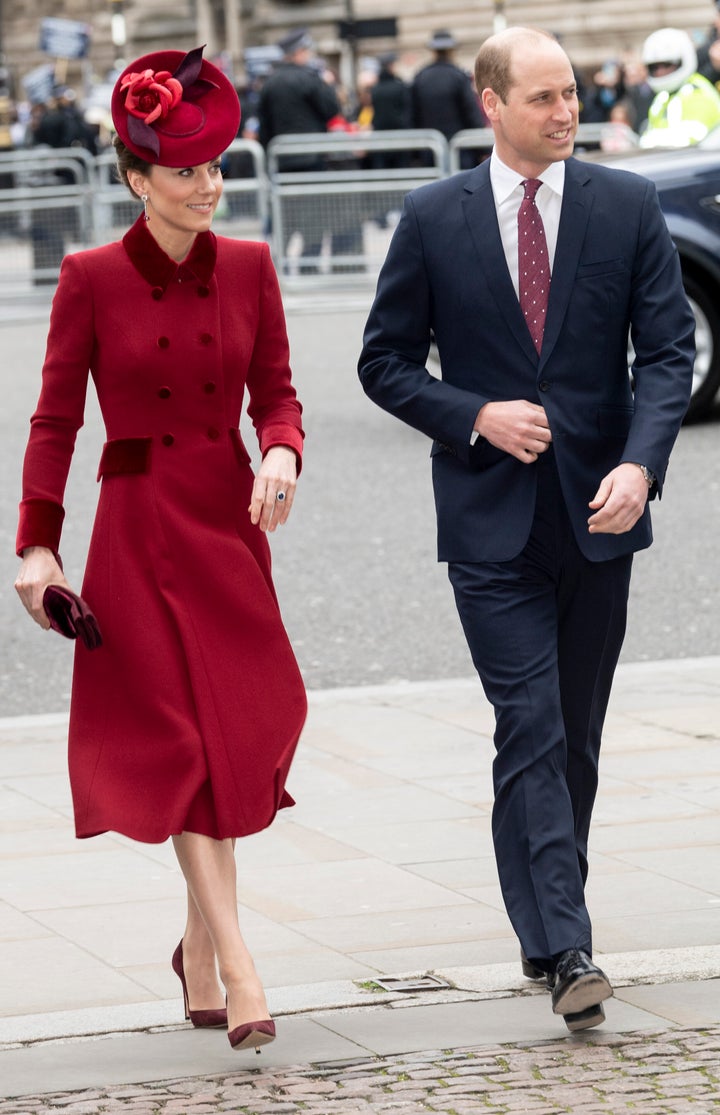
(70, 616)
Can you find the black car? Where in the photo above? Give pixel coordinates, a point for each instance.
(688, 184)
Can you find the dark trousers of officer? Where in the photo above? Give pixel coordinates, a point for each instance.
(545, 632)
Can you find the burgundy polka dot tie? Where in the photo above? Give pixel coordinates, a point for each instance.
(533, 263)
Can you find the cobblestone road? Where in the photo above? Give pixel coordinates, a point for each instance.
(670, 1072)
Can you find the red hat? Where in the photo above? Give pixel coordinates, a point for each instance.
(175, 109)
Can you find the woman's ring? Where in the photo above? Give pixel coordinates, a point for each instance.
(280, 497)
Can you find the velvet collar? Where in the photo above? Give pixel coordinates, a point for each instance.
(148, 258)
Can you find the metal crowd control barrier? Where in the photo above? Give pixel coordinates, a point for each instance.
(58, 200)
(335, 199)
(44, 213)
(327, 203)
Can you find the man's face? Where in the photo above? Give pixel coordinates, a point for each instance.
(536, 126)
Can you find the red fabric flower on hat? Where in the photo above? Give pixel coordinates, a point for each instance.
(150, 96)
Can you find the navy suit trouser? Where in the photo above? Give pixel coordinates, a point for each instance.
(545, 632)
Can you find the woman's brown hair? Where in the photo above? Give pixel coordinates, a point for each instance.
(127, 160)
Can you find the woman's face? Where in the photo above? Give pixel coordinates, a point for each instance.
(181, 200)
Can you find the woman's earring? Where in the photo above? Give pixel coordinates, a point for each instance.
(144, 199)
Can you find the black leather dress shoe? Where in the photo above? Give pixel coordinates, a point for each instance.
(531, 972)
(579, 989)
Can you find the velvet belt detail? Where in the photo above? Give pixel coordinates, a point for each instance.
(124, 456)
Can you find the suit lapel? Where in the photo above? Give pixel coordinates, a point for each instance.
(481, 219)
(574, 215)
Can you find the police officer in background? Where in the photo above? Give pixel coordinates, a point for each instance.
(295, 100)
(686, 105)
(442, 94)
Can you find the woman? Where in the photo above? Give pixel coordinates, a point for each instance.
(184, 722)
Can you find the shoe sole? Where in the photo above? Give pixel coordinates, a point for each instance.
(254, 1040)
(586, 992)
(584, 1019)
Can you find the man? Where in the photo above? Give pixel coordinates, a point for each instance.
(686, 105)
(542, 459)
(442, 93)
(390, 97)
(296, 100)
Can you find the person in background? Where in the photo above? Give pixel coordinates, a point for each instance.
(529, 270)
(442, 94)
(392, 110)
(708, 51)
(391, 99)
(686, 105)
(295, 99)
(184, 722)
(638, 94)
(364, 104)
(606, 89)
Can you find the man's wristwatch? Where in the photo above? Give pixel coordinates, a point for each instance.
(649, 476)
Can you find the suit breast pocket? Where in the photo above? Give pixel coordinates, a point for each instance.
(601, 292)
(600, 269)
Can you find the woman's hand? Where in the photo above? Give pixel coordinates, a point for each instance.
(39, 569)
(274, 488)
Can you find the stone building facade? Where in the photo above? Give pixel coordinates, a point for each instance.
(591, 30)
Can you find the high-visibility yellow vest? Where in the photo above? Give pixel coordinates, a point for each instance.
(684, 117)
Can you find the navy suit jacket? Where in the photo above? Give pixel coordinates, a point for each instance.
(616, 268)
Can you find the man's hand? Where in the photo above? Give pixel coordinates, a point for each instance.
(518, 427)
(619, 502)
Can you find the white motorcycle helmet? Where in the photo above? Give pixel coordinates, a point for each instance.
(668, 46)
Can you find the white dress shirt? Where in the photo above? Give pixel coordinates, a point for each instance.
(508, 193)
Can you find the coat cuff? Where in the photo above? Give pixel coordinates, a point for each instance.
(40, 524)
(283, 434)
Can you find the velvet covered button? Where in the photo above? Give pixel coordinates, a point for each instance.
(163, 342)
(206, 338)
(209, 388)
(164, 393)
(203, 291)
(213, 433)
(168, 439)
(157, 293)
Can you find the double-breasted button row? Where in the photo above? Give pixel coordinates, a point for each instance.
(157, 292)
(209, 388)
(204, 338)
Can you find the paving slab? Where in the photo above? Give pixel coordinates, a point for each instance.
(384, 868)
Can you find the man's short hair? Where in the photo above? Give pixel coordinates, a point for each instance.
(493, 65)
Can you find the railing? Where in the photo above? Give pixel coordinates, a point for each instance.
(336, 197)
(326, 203)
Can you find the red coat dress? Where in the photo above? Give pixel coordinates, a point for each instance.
(187, 717)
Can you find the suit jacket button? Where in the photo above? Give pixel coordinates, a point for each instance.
(213, 433)
(168, 439)
(206, 338)
(157, 293)
(544, 385)
(203, 291)
(163, 342)
(164, 393)
(209, 388)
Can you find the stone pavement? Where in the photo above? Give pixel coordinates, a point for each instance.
(665, 1072)
(383, 870)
